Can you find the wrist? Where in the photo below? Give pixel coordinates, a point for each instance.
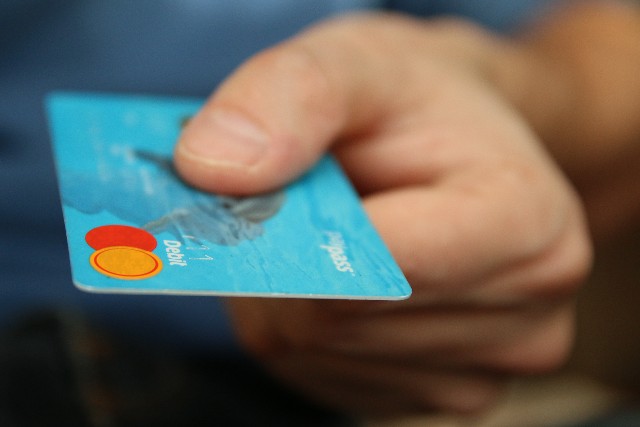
(574, 77)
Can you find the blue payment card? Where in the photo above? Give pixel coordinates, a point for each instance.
(134, 227)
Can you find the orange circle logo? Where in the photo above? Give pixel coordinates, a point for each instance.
(123, 252)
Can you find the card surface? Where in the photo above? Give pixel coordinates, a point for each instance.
(134, 227)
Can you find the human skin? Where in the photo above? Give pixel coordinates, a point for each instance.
(448, 134)
(574, 78)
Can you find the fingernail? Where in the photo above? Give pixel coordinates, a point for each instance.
(224, 137)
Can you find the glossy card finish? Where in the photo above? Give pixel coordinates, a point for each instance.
(134, 227)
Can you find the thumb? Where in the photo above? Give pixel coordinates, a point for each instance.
(276, 115)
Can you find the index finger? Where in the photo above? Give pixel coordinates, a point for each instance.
(276, 115)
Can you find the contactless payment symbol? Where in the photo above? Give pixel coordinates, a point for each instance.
(123, 252)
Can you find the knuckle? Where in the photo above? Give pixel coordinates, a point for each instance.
(546, 360)
(564, 266)
(548, 231)
(269, 329)
(580, 249)
(470, 397)
(479, 401)
(538, 216)
(543, 351)
(577, 266)
(304, 326)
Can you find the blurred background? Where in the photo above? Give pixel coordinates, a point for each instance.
(76, 359)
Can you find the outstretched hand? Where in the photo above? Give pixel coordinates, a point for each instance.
(486, 229)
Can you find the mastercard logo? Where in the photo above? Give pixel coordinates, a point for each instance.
(123, 252)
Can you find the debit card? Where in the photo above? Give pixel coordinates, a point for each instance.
(133, 226)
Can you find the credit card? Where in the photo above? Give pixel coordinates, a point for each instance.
(133, 226)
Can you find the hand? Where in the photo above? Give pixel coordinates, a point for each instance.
(486, 229)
